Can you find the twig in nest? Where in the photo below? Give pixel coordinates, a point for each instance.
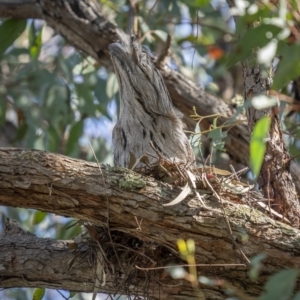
(195, 265)
(227, 222)
(108, 210)
(137, 252)
(233, 172)
(238, 172)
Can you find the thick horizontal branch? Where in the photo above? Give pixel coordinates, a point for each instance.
(85, 28)
(29, 261)
(19, 9)
(132, 204)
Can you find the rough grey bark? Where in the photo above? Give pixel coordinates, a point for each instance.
(29, 261)
(89, 31)
(146, 114)
(75, 188)
(275, 178)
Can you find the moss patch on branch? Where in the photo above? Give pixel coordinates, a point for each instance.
(131, 181)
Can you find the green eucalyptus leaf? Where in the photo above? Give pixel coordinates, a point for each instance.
(258, 144)
(281, 285)
(73, 60)
(161, 34)
(38, 294)
(35, 39)
(10, 30)
(54, 138)
(217, 136)
(196, 3)
(289, 65)
(101, 96)
(90, 79)
(85, 98)
(169, 6)
(112, 85)
(39, 217)
(72, 294)
(56, 104)
(69, 230)
(65, 68)
(100, 91)
(254, 38)
(74, 135)
(256, 265)
(145, 28)
(15, 52)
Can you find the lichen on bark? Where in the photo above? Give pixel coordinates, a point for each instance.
(131, 181)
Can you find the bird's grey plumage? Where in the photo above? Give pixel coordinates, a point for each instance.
(146, 110)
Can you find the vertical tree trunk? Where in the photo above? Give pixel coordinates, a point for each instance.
(275, 178)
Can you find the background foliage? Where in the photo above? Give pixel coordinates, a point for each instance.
(54, 98)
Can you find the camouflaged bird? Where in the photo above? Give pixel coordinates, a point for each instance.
(146, 110)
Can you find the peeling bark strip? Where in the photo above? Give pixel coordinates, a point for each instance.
(74, 188)
(275, 178)
(145, 101)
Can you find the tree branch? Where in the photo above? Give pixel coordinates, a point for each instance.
(28, 261)
(89, 31)
(23, 9)
(74, 188)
